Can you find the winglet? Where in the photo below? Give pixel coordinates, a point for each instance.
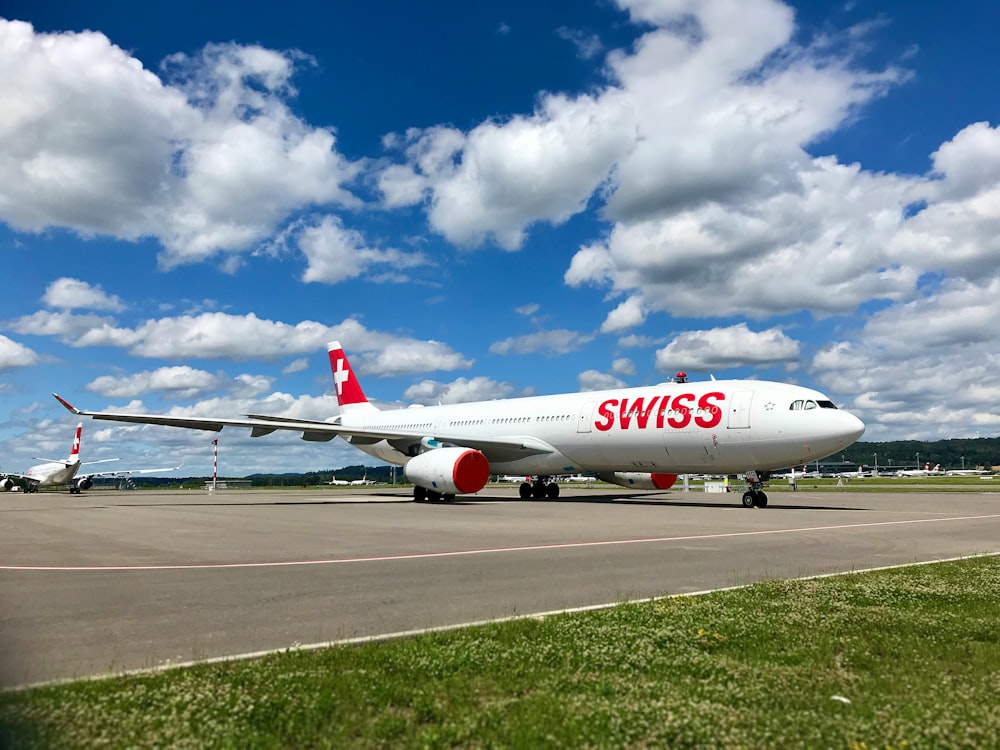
(67, 404)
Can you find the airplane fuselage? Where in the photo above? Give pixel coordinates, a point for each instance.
(691, 427)
(50, 474)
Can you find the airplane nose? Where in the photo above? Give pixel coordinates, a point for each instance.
(854, 428)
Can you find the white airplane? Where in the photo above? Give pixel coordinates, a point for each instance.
(924, 472)
(334, 480)
(858, 473)
(363, 482)
(635, 437)
(55, 472)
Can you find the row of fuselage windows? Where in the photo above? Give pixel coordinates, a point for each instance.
(569, 417)
(510, 420)
(802, 405)
(476, 422)
(551, 418)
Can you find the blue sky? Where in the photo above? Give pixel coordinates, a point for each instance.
(489, 200)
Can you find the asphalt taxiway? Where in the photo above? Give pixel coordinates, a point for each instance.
(111, 581)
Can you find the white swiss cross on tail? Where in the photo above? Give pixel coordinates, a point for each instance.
(74, 452)
(349, 393)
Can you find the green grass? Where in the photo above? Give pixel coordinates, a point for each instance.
(915, 651)
(890, 484)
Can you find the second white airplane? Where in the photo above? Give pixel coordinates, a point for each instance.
(55, 473)
(636, 437)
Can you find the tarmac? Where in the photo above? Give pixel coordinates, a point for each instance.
(110, 581)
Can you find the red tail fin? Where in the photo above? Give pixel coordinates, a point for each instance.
(74, 452)
(349, 390)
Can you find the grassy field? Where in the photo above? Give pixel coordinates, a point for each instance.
(891, 484)
(891, 659)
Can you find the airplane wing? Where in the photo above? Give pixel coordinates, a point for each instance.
(495, 449)
(15, 475)
(127, 472)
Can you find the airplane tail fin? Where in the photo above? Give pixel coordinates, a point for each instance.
(74, 452)
(349, 394)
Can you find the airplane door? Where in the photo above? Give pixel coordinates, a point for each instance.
(584, 423)
(739, 410)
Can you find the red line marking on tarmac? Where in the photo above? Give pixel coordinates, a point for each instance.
(485, 551)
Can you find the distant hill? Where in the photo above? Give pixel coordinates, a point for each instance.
(951, 454)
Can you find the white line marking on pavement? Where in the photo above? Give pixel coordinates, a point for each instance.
(484, 551)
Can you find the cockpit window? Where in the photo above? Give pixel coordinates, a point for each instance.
(801, 405)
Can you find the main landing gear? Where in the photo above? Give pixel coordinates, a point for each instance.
(755, 496)
(542, 488)
(424, 495)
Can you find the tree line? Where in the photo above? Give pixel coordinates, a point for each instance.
(956, 453)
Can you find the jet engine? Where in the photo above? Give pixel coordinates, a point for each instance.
(449, 471)
(639, 480)
(84, 483)
(6, 484)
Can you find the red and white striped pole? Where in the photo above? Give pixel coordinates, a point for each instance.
(215, 463)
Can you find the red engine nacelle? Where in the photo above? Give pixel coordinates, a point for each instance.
(639, 480)
(450, 471)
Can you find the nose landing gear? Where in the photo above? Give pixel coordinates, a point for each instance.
(755, 497)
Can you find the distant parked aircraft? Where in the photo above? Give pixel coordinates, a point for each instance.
(55, 472)
(924, 472)
(856, 474)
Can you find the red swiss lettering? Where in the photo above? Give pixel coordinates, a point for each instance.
(637, 409)
(625, 414)
(661, 415)
(609, 416)
(677, 414)
(711, 412)
(682, 415)
(642, 418)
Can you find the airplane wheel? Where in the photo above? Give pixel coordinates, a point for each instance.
(524, 491)
(419, 494)
(538, 491)
(761, 500)
(748, 499)
(552, 491)
(449, 498)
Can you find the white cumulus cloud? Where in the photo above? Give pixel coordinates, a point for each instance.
(459, 391)
(206, 156)
(336, 253)
(73, 294)
(595, 380)
(549, 343)
(722, 348)
(13, 354)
